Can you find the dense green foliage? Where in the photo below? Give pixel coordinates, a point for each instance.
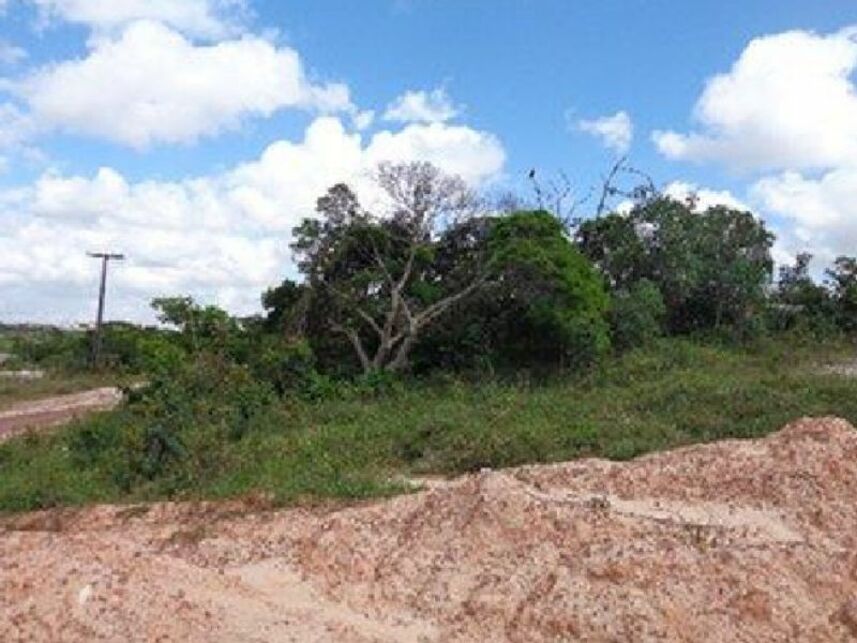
(126, 349)
(199, 437)
(820, 309)
(711, 267)
(637, 315)
(543, 308)
(552, 300)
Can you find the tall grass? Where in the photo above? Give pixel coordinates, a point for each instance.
(674, 393)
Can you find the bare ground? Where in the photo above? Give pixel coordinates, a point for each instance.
(733, 541)
(55, 411)
(846, 369)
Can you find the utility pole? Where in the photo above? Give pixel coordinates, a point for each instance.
(99, 320)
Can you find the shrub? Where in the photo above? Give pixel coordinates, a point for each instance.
(54, 349)
(178, 430)
(554, 301)
(637, 315)
(288, 365)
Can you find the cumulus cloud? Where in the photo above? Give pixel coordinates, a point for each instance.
(422, 107)
(222, 238)
(705, 197)
(472, 154)
(166, 89)
(787, 109)
(615, 132)
(789, 102)
(211, 19)
(821, 211)
(15, 126)
(363, 119)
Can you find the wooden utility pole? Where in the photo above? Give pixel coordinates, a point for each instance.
(99, 320)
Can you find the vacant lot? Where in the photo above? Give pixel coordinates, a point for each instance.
(734, 541)
(358, 446)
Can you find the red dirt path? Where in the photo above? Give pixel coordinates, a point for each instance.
(54, 411)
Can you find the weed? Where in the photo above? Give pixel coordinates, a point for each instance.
(216, 432)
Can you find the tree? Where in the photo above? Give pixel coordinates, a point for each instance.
(285, 307)
(711, 267)
(799, 301)
(842, 280)
(375, 275)
(543, 308)
(201, 327)
(736, 265)
(556, 299)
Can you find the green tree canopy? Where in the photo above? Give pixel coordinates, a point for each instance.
(544, 306)
(712, 267)
(842, 280)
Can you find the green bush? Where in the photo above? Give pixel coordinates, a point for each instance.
(637, 315)
(177, 430)
(215, 432)
(288, 365)
(125, 348)
(554, 301)
(54, 349)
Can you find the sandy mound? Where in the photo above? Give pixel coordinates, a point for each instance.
(735, 541)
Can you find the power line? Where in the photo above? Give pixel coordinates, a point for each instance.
(99, 320)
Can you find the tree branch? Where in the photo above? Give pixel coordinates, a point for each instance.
(357, 309)
(438, 308)
(380, 261)
(607, 189)
(354, 338)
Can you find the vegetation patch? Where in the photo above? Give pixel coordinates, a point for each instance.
(434, 334)
(215, 432)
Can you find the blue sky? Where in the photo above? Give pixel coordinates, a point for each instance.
(196, 132)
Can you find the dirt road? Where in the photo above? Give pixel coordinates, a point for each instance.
(733, 541)
(53, 411)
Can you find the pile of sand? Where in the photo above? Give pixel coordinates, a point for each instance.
(734, 541)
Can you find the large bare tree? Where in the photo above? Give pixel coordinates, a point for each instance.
(376, 271)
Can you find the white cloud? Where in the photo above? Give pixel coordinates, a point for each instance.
(458, 149)
(789, 102)
(705, 197)
(10, 54)
(213, 19)
(615, 132)
(151, 85)
(789, 105)
(822, 211)
(363, 119)
(15, 126)
(422, 107)
(222, 238)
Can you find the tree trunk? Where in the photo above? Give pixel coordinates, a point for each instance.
(400, 361)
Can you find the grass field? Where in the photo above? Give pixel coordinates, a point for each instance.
(672, 394)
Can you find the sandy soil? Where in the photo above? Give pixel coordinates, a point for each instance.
(54, 411)
(734, 541)
(846, 369)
